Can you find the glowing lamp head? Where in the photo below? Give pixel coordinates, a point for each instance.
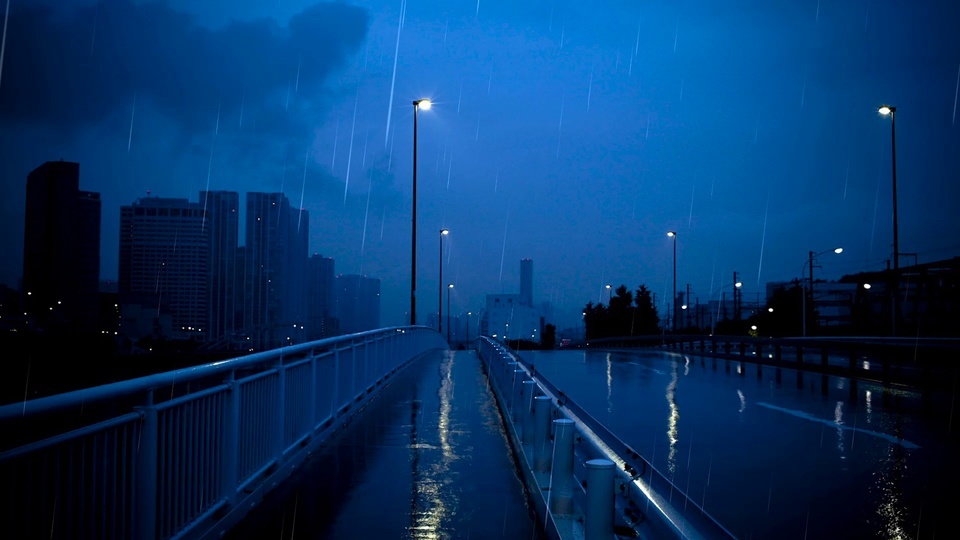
(886, 109)
(671, 234)
(866, 286)
(444, 231)
(608, 287)
(423, 104)
(738, 284)
(450, 286)
(838, 251)
(770, 309)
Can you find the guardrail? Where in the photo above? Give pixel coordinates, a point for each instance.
(185, 454)
(584, 481)
(923, 363)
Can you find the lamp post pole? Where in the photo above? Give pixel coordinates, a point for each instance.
(673, 234)
(449, 290)
(443, 232)
(892, 111)
(417, 105)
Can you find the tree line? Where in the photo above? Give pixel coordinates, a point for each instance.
(627, 314)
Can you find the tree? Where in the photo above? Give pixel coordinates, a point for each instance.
(646, 320)
(549, 338)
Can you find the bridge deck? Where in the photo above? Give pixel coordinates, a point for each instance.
(426, 459)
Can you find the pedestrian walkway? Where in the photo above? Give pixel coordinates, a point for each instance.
(426, 459)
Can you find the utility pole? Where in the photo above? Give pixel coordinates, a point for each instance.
(736, 297)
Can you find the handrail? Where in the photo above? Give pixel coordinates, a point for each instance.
(670, 512)
(189, 464)
(152, 382)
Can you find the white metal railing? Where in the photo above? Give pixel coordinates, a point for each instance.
(184, 454)
(584, 481)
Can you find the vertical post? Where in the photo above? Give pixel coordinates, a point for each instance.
(541, 434)
(813, 304)
(440, 290)
(674, 282)
(413, 241)
(599, 511)
(449, 290)
(146, 491)
(526, 412)
(561, 480)
(231, 440)
(896, 242)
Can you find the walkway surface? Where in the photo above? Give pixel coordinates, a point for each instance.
(426, 459)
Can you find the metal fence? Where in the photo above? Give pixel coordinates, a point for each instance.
(185, 454)
(584, 481)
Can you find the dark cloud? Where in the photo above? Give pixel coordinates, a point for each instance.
(70, 69)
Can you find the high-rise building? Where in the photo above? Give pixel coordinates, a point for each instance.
(526, 281)
(321, 321)
(61, 249)
(164, 261)
(221, 209)
(275, 258)
(358, 303)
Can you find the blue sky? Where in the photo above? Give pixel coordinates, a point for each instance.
(572, 133)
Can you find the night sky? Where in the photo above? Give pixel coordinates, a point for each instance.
(572, 133)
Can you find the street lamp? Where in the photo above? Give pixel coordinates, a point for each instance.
(736, 289)
(892, 111)
(812, 256)
(443, 232)
(449, 290)
(673, 234)
(417, 105)
(608, 287)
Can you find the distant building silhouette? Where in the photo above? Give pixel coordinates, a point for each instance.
(321, 318)
(514, 316)
(163, 267)
(61, 249)
(275, 258)
(358, 303)
(225, 316)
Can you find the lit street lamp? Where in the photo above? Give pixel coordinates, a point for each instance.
(449, 290)
(417, 105)
(892, 111)
(812, 256)
(443, 232)
(673, 234)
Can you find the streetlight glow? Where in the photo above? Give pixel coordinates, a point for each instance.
(671, 234)
(738, 284)
(838, 251)
(885, 110)
(424, 104)
(866, 286)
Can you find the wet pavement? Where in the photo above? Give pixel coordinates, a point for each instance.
(427, 458)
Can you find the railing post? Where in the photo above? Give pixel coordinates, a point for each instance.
(561, 480)
(541, 433)
(799, 355)
(146, 520)
(516, 391)
(280, 415)
(526, 411)
(599, 511)
(231, 440)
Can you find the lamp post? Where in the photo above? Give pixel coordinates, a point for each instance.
(892, 111)
(469, 313)
(443, 232)
(449, 290)
(417, 105)
(673, 234)
(809, 261)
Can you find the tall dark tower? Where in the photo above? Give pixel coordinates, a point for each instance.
(221, 210)
(61, 249)
(526, 281)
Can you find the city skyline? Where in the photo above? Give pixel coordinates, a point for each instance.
(576, 136)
